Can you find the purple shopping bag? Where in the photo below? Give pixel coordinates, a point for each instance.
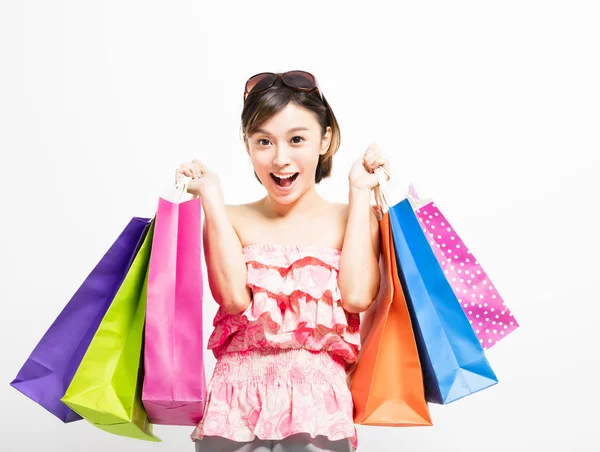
(174, 386)
(48, 371)
(486, 310)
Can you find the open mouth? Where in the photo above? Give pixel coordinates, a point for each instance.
(284, 182)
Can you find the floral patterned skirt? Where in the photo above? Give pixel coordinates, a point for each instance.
(275, 393)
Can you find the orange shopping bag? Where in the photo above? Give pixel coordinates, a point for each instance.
(387, 382)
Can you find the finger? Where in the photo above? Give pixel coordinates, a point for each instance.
(179, 172)
(371, 161)
(372, 148)
(376, 154)
(370, 155)
(383, 164)
(375, 150)
(368, 167)
(198, 166)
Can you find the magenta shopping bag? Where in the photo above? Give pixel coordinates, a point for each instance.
(174, 384)
(488, 314)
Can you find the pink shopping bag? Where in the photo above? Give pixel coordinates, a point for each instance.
(174, 386)
(488, 314)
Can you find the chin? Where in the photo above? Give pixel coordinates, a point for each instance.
(289, 198)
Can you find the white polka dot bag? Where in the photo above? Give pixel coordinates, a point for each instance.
(488, 314)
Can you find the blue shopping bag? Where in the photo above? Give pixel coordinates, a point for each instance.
(452, 358)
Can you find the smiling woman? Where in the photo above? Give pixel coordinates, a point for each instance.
(283, 346)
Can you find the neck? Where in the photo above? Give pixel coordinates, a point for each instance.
(306, 203)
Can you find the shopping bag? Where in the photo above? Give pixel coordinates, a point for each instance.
(485, 308)
(386, 382)
(49, 369)
(107, 387)
(174, 386)
(453, 361)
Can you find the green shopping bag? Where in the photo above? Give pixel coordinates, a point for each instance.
(107, 387)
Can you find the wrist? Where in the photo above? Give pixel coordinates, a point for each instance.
(212, 195)
(359, 195)
(355, 185)
(210, 189)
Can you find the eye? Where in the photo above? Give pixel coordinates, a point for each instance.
(261, 140)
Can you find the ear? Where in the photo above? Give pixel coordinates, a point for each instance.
(326, 141)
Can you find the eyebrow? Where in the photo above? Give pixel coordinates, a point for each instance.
(293, 129)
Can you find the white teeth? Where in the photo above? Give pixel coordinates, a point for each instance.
(284, 176)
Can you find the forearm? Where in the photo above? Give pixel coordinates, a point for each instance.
(359, 266)
(227, 273)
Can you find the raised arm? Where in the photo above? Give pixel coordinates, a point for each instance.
(359, 263)
(227, 273)
(359, 275)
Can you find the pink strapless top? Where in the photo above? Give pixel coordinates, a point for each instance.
(296, 304)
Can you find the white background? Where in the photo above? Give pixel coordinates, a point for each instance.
(491, 108)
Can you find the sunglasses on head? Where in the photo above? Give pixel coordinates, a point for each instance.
(300, 80)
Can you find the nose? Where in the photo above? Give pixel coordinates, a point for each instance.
(282, 156)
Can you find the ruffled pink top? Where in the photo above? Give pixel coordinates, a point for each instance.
(296, 304)
(281, 364)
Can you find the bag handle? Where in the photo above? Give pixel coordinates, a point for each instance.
(390, 192)
(386, 192)
(180, 188)
(380, 191)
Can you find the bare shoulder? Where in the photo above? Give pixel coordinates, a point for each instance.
(242, 209)
(233, 210)
(241, 215)
(236, 211)
(340, 211)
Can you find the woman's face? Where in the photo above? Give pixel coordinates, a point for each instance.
(288, 144)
